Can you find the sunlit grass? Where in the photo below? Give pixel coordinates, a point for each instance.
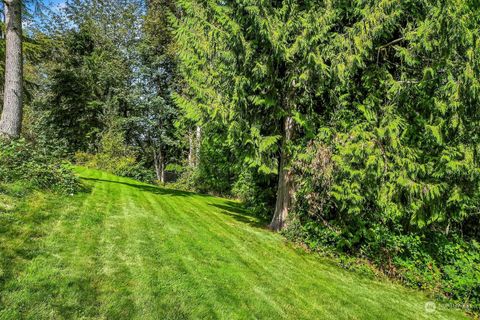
(126, 250)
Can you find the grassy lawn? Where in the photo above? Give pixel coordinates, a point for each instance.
(126, 250)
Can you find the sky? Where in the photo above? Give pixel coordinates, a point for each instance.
(54, 3)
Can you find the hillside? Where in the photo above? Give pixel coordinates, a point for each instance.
(126, 250)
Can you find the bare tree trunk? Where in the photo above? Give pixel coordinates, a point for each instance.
(161, 172)
(159, 161)
(11, 119)
(191, 149)
(285, 180)
(198, 144)
(162, 168)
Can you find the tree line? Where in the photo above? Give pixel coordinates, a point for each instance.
(351, 125)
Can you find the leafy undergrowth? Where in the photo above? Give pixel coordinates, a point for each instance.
(127, 250)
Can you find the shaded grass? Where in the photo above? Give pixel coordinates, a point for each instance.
(127, 250)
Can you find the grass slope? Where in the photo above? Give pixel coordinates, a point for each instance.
(127, 250)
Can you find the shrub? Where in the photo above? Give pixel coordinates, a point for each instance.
(35, 165)
(116, 157)
(256, 192)
(187, 180)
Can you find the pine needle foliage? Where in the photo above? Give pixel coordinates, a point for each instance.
(384, 95)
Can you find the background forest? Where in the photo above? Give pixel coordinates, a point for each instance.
(353, 126)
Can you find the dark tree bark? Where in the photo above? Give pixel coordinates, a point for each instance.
(285, 180)
(11, 119)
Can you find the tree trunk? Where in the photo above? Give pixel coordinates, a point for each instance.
(159, 161)
(11, 119)
(162, 171)
(198, 144)
(191, 149)
(285, 180)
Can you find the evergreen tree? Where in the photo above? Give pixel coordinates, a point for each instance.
(11, 118)
(251, 65)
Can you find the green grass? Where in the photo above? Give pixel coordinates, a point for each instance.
(126, 250)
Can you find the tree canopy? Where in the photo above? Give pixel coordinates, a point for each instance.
(350, 126)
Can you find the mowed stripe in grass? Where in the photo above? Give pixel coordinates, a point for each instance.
(127, 250)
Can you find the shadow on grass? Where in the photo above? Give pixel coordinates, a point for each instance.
(239, 213)
(229, 208)
(149, 188)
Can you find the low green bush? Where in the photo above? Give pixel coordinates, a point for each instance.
(116, 157)
(35, 165)
(256, 192)
(121, 165)
(451, 266)
(187, 180)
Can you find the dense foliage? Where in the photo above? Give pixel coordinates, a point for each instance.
(354, 126)
(35, 166)
(383, 98)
